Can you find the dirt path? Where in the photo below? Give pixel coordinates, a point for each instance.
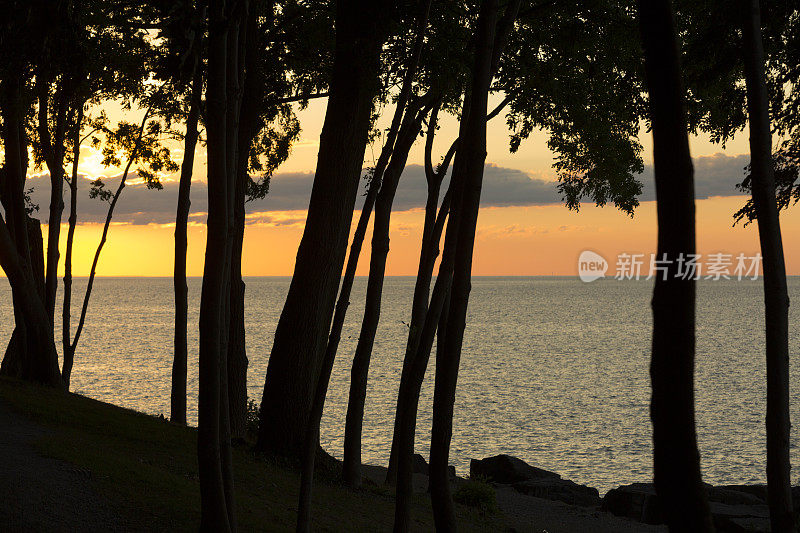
(38, 493)
(535, 515)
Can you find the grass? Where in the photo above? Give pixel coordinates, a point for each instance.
(147, 468)
(477, 493)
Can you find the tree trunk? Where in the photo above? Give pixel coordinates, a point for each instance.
(38, 360)
(180, 358)
(66, 335)
(776, 296)
(33, 314)
(237, 353)
(237, 361)
(408, 413)
(225, 76)
(351, 469)
(53, 149)
(468, 170)
(214, 511)
(311, 443)
(23, 341)
(103, 238)
(410, 388)
(426, 319)
(248, 127)
(676, 460)
(298, 349)
(429, 251)
(377, 268)
(53, 236)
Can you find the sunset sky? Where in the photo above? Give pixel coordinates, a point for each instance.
(523, 228)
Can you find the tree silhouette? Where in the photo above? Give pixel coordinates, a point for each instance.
(278, 72)
(296, 359)
(227, 23)
(776, 297)
(676, 459)
(187, 31)
(31, 353)
(490, 35)
(741, 68)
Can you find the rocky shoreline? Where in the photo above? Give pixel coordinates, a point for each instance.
(734, 508)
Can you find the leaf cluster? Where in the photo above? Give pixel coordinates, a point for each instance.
(574, 71)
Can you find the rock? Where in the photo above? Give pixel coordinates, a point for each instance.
(740, 518)
(637, 501)
(532, 481)
(507, 469)
(562, 490)
(742, 525)
(758, 491)
(734, 508)
(452, 471)
(734, 495)
(419, 465)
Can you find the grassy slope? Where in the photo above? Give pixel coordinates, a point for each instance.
(148, 468)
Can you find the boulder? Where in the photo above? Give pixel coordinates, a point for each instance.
(740, 518)
(735, 495)
(562, 490)
(507, 470)
(419, 465)
(734, 508)
(757, 491)
(637, 501)
(760, 492)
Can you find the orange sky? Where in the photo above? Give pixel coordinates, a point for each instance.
(510, 241)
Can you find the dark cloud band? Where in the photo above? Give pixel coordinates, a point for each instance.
(715, 175)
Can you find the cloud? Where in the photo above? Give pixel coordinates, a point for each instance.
(715, 175)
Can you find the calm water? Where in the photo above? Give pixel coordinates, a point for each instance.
(554, 371)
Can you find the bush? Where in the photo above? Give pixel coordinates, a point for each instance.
(253, 419)
(478, 494)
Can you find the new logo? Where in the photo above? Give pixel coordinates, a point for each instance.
(591, 266)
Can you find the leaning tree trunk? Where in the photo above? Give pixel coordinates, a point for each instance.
(72, 222)
(676, 460)
(776, 296)
(408, 414)
(33, 348)
(311, 438)
(351, 468)
(180, 358)
(67, 368)
(469, 164)
(53, 149)
(372, 309)
(410, 388)
(299, 345)
(32, 310)
(413, 373)
(22, 342)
